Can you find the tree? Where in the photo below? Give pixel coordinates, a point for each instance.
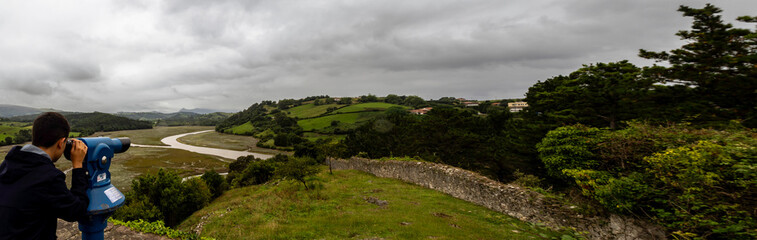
(345, 100)
(164, 195)
(393, 99)
(215, 183)
(414, 101)
(447, 100)
(298, 168)
(286, 103)
(718, 61)
(600, 95)
(368, 98)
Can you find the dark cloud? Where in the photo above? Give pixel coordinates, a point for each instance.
(227, 54)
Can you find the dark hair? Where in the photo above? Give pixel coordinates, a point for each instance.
(48, 128)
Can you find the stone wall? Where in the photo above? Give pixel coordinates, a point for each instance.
(509, 199)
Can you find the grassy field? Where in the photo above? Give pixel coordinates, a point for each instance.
(325, 121)
(309, 110)
(340, 208)
(9, 129)
(226, 141)
(243, 129)
(152, 136)
(374, 106)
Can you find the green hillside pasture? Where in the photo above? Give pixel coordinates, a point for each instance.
(226, 141)
(244, 129)
(340, 208)
(374, 106)
(309, 110)
(325, 121)
(9, 129)
(152, 136)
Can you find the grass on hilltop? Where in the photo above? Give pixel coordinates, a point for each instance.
(244, 129)
(373, 106)
(9, 129)
(339, 208)
(310, 110)
(325, 121)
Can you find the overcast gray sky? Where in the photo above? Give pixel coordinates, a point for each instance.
(109, 56)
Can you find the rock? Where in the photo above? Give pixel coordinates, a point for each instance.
(376, 201)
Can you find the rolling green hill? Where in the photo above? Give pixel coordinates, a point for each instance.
(321, 124)
(321, 121)
(177, 118)
(88, 123)
(10, 129)
(354, 205)
(310, 110)
(374, 106)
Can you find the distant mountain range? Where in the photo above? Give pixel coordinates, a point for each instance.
(7, 110)
(196, 116)
(204, 110)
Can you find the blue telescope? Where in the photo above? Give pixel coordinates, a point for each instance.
(104, 198)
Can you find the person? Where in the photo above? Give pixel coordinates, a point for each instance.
(33, 192)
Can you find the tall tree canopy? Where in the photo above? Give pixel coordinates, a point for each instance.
(718, 61)
(600, 95)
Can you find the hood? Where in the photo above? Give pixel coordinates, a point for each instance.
(19, 163)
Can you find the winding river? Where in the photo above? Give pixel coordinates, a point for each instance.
(173, 142)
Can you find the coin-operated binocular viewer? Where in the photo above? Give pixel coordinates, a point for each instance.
(104, 198)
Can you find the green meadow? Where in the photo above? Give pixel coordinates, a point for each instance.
(354, 205)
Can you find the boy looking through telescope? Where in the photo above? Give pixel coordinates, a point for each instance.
(33, 193)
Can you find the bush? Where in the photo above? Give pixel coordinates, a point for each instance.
(287, 139)
(215, 183)
(569, 147)
(248, 170)
(298, 168)
(527, 180)
(698, 183)
(156, 227)
(257, 172)
(173, 199)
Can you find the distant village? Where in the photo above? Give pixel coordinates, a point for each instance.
(515, 106)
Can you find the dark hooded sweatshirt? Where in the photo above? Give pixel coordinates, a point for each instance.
(33, 195)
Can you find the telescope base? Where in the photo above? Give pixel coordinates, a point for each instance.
(93, 236)
(94, 227)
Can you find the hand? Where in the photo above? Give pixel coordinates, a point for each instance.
(78, 151)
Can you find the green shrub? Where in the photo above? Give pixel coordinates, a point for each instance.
(215, 183)
(698, 183)
(299, 169)
(526, 180)
(158, 228)
(569, 147)
(174, 200)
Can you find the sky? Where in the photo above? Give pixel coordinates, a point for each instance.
(164, 55)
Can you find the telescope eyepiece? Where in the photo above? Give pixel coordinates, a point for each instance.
(124, 145)
(67, 150)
